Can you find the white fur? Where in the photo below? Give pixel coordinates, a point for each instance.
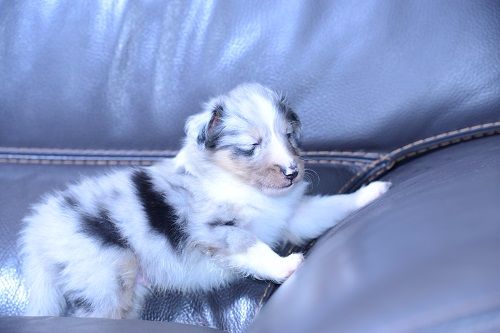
(61, 262)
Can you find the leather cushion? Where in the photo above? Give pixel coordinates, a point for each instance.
(424, 257)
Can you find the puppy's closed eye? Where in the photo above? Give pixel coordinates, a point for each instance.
(247, 150)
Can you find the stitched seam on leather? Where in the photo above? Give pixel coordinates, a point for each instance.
(99, 162)
(89, 151)
(422, 151)
(336, 162)
(386, 157)
(103, 162)
(88, 160)
(28, 156)
(131, 157)
(340, 152)
(264, 296)
(162, 152)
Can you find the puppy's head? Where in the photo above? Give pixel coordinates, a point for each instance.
(252, 133)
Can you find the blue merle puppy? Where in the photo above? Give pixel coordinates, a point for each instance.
(196, 222)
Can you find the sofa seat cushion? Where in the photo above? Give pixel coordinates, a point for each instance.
(423, 257)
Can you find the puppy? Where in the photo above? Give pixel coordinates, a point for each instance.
(196, 222)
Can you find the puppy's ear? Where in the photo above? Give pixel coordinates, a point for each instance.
(213, 130)
(206, 128)
(292, 118)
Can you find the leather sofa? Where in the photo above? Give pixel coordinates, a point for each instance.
(406, 91)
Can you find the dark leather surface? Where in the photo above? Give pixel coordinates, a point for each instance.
(423, 258)
(86, 325)
(365, 75)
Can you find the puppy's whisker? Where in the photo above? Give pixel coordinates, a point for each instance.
(312, 175)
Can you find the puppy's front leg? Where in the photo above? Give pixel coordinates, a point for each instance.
(242, 251)
(317, 214)
(260, 261)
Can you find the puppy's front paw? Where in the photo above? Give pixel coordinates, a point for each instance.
(370, 192)
(287, 266)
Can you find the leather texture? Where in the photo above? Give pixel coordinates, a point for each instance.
(423, 258)
(126, 74)
(91, 325)
(88, 86)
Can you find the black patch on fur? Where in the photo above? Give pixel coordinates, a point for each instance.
(75, 303)
(103, 228)
(162, 217)
(219, 223)
(82, 303)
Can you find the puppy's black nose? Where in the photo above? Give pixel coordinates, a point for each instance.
(291, 172)
(292, 176)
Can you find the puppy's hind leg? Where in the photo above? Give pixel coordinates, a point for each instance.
(102, 286)
(45, 297)
(134, 288)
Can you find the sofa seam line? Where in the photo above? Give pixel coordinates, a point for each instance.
(73, 162)
(144, 161)
(387, 156)
(167, 151)
(427, 149)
